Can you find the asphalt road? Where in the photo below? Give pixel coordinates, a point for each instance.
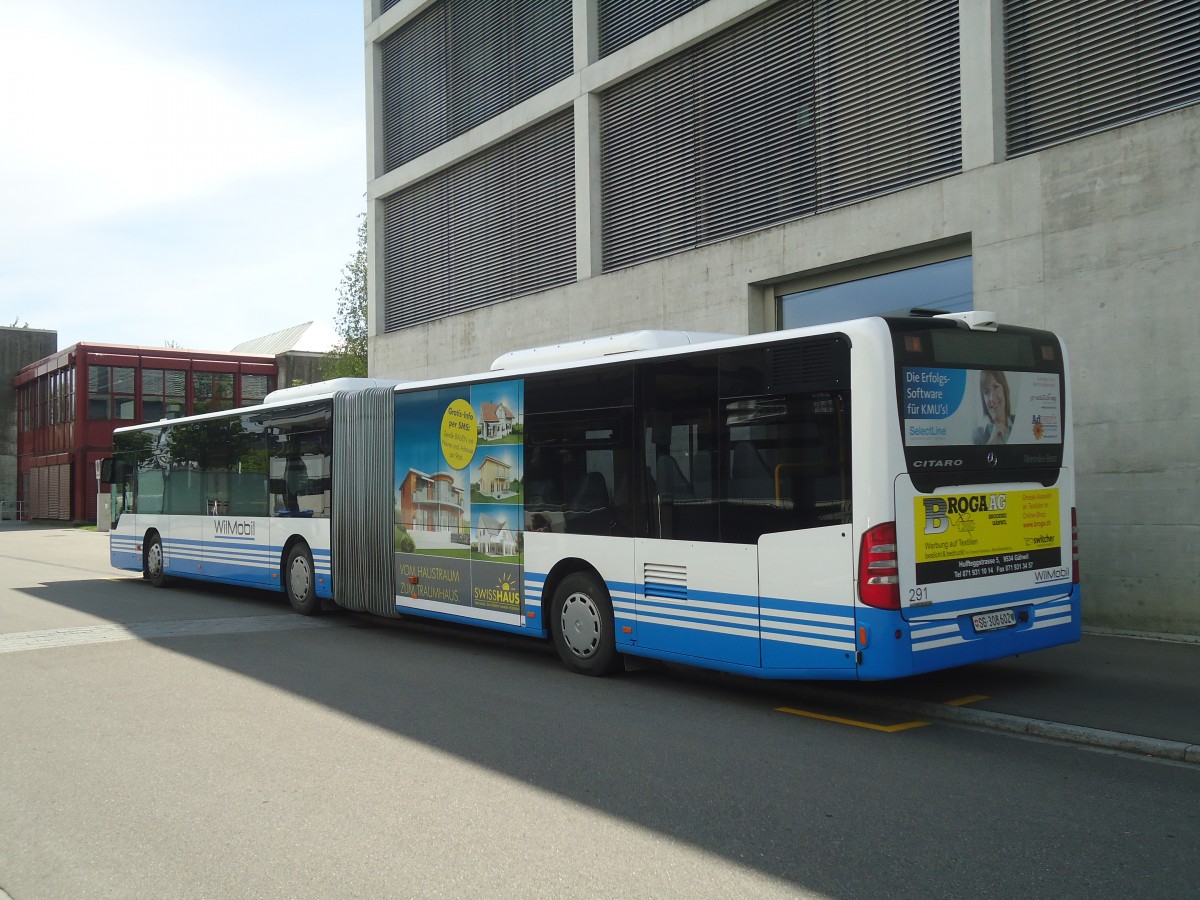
(205, 742)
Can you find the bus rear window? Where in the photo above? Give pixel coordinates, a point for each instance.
(980, 401)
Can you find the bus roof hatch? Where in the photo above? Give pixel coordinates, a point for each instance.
(975, 319)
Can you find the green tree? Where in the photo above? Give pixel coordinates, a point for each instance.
(348, 358)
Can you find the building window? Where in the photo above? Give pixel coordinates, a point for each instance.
(111, 393)
(28, 407)
(58, 397)
(944, 286)
(164, 394)
(255, 388)
(212, 391)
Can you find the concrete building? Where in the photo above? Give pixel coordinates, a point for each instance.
(561, 170)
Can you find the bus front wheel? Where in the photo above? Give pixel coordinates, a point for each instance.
(299, 581)
(153, 567)
(581, 624)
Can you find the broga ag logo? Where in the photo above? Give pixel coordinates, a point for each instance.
(938, 510)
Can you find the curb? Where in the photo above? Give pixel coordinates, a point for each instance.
(1177, 751)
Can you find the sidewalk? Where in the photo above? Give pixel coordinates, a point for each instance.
(1132, 693)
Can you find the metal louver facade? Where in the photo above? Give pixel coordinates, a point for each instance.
(497, 225)
(1074, 68)
(47, 492)
(620, 22)
(801, 108)
(461, 62)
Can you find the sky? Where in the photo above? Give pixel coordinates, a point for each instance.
(178, 172)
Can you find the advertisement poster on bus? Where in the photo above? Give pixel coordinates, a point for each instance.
(981, 534)
(948, 407)
(459, 498)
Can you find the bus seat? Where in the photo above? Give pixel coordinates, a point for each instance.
(751, 479)
(672, 483)
(703, 483)
(592, 493)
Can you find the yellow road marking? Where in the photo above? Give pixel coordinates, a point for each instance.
(903, 726)
(963, 701)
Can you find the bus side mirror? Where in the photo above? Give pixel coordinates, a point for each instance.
(111, 471)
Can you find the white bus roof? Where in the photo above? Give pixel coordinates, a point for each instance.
(539, 359)
(327, 388)
(608, 345)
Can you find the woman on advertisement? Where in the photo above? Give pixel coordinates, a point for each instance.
(997, 408)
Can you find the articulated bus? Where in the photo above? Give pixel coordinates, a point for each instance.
(864, 500)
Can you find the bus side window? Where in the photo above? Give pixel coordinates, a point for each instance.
(789, 464)
(574, 480)
(300, 477)
(750, 478)
(679, 438)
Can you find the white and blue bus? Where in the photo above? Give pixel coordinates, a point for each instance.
(864, 500)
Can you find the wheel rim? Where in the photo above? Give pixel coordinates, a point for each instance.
(154, 560)
(581, 625)
(299, 578)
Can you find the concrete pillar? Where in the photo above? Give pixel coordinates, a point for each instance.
(586, 33)
(588, 246)
(588, 260)
(981, 72)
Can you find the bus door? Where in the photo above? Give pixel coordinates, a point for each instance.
(789, 490)
(748, 467)
(696, 593)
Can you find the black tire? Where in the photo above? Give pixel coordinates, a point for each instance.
(581, 625)
(153, 567)
(299, 580)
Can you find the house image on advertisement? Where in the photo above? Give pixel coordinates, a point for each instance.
(495, 477)
(493, 537)
(430, 502)
(496, 421)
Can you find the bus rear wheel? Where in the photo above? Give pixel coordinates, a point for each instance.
(299, 581)
(581, 625)
(153, 564)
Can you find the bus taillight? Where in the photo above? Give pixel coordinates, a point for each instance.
(878, 572)
(1074, 547)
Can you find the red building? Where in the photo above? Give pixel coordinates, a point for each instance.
(68, 405)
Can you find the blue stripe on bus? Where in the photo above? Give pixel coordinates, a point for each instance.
(227, 563)
(532, 599)
(934, 642)
(715, 625)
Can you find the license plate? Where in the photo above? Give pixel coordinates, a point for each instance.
(992, 621)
